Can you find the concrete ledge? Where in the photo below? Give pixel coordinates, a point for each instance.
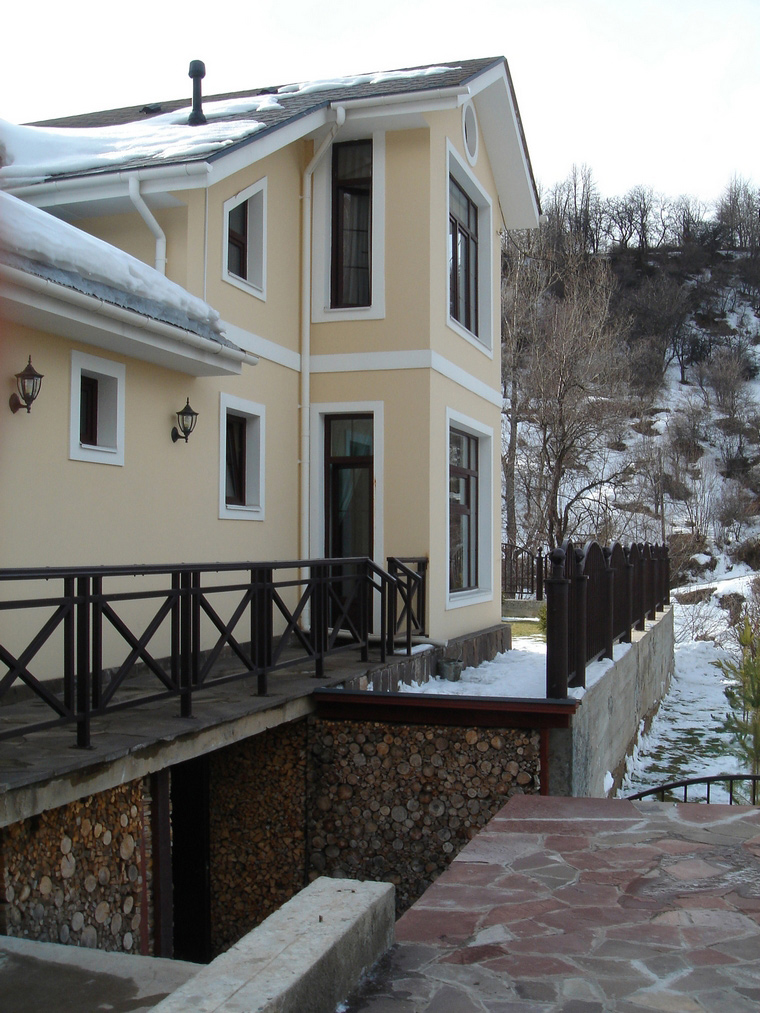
(304, 958)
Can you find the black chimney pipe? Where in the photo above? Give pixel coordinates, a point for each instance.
(197, 72)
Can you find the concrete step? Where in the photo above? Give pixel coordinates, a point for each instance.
(305, 958)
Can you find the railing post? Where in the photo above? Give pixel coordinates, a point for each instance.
(557, 588)
(69, 647)
(319, 575)
(540, 575)
(83, 662)
(97, 642)
(176, 646)
(666, 577)
(196, 620)
(364, 576)
(627, 591)
(261, 625)
(581, 622)
(391, 593)
(186, 644)
(610, 588)
(639, 610)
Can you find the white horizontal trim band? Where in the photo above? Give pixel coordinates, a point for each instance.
(421, 358)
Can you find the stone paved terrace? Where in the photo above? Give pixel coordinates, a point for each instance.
(584, 906)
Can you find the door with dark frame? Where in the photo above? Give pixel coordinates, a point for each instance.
(349, 498)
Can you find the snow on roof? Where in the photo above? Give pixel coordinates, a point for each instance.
(377, 77)
(30, 154)
(28, 234)
(33, 153)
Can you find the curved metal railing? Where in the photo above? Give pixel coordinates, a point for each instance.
(692, 782)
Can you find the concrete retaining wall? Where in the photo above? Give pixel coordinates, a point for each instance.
(606, 725)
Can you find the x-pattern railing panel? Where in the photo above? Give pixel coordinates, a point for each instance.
(320, 607)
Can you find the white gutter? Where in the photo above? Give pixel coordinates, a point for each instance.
(62, 293)
(20, 186)
(340, 119)
(428, 97)
(148, 217)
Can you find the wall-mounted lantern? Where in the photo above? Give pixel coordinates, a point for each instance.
(186, 420)
(28, 382)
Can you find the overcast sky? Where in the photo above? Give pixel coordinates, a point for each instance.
(664, 93)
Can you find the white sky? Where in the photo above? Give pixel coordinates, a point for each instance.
(664, 93)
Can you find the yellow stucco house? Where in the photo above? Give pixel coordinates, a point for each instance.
(346, 381)
(313, 273)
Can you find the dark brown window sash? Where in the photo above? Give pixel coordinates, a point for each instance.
(88, 411)
(236, 454)
(467, 232)
(350, 192)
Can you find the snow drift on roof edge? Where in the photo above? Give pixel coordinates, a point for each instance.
(30, 233)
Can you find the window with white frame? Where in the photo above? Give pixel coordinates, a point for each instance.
(245, 225)
(241, 458)
(348, 241)
(470, 255)
(96, 423)
(470, 520)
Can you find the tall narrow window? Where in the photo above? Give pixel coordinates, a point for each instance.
(236, 458)
(351, 224)
(463, 511)
(88, 410)
(463, 258)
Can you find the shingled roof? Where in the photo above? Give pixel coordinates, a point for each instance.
(298, 99)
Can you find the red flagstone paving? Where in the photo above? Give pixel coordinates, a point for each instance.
(566, 905)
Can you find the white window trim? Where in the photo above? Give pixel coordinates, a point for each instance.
(317, 471)
(471, 150)
(321, 311)
(255, 458)
(464, 176)
(484, 434)
(116, 371)
(234, 279)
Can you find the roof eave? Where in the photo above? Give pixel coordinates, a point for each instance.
(46, 305)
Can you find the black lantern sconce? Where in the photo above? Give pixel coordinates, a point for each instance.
(28, 382)
(186, 420)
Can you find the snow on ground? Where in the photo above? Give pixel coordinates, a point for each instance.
(685, 738)
(516, 674)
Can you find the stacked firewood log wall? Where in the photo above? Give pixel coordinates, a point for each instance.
(398, 802)
(257, 829)
(80, 873)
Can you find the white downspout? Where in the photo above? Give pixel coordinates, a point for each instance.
(147, 216)
(305, 540)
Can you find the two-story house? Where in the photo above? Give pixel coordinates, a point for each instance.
(347, 233)
(314, 270)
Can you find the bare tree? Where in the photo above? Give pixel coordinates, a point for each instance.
(737, 214)
(573, 376)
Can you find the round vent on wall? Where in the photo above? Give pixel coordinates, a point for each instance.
(470, 132)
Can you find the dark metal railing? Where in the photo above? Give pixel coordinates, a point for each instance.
(264, 616)
(594, 597)
(408, 602)
(753, 780)
(522, 572)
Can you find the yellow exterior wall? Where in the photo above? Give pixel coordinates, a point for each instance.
(406, 324)
(277, 317)
(162, 506)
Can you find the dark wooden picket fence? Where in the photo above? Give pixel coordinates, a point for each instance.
(595, 596)
(522, 572)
